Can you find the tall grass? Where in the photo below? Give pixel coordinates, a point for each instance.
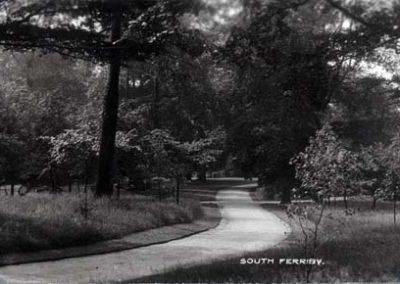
(364, 246)
(45, 221)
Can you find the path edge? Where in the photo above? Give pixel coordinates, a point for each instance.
(161, 235)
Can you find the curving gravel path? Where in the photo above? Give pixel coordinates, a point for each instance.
(245, 227)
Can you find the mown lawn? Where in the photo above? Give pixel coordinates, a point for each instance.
(47, 221)
(360, 247)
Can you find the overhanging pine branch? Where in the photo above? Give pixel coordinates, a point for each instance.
(348, 13)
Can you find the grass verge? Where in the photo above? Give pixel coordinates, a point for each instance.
(48, 221)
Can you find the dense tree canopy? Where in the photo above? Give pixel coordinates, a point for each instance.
(82, 28)
(249, 82)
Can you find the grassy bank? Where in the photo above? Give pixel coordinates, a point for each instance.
(361, 247)
(45, 221)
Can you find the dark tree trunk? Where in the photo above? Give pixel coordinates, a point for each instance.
(156, 103)
(105, 172)
(286, 182)
(346, 206)
(12, 189)
(202, 174)
(69, 184)
(285, 195)
(118, 191)
(52, 179)
(86, 176)
(159, 189)
(394, 208)
(374, 203)
(178, 188)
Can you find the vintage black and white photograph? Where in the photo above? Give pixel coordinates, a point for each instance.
(199, 141)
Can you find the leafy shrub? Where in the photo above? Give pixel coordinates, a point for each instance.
(326, 167)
